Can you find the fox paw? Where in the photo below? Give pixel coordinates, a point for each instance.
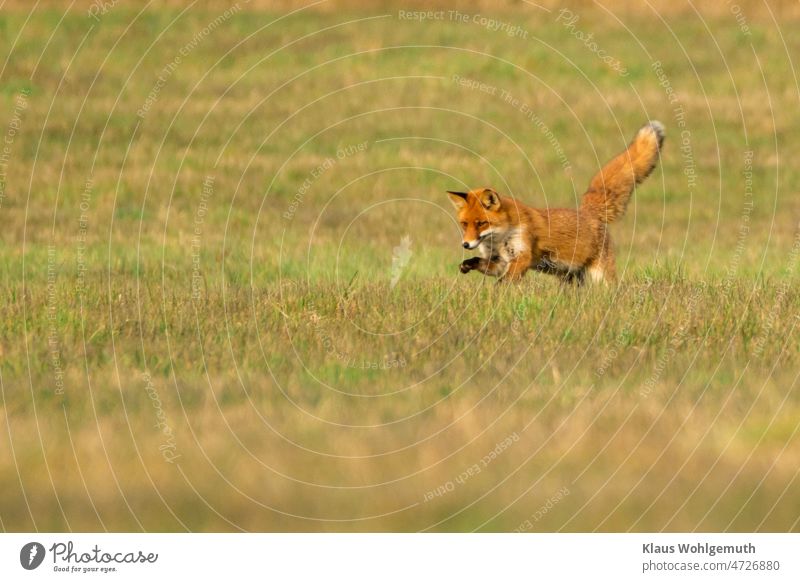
(470, 264)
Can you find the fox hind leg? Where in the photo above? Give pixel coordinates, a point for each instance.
(574, 277)
(603, 269)
(596, 273)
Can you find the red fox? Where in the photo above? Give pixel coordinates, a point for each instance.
(512, 237)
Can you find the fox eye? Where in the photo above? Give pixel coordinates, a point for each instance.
(464, 225)
(480, 223)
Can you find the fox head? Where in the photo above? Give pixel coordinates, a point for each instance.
(480, 213)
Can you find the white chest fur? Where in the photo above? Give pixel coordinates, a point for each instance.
(513, 245)
(503, 248)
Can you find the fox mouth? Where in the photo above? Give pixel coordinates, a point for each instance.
(488, 237)
(485, 236)
(482, 238)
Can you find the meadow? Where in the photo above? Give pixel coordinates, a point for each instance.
(230, 287)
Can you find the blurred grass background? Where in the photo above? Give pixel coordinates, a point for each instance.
(200, 211)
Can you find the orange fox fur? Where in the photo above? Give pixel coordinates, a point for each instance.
(512, 238)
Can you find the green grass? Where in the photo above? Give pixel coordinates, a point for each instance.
(299, 388)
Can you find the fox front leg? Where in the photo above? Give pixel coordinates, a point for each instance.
(516, 268)
(485, 266)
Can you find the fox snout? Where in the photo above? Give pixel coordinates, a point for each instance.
(471, 244)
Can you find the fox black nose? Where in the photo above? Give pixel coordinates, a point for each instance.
(466, 245)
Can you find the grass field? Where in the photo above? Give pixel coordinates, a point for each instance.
(229, 279)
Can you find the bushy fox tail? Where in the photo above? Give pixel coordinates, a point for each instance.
(610, 190)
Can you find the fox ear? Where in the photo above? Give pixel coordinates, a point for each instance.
(459, 199)
(490, 199)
